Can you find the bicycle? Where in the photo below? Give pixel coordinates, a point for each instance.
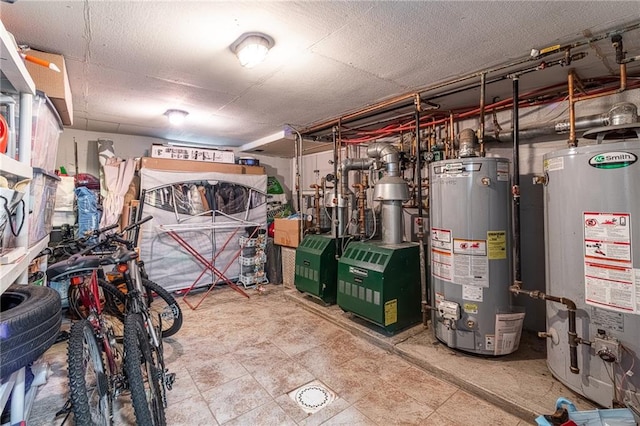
(112, 285)
(92, 384)
(92, 387)
(143, 362)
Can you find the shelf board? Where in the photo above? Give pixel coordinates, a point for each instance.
(14, 167)
(10, 272)
(13, 68)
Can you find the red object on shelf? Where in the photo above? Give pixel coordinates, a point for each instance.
(88, 180)
(4, 134)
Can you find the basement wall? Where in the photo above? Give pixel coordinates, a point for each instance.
(127, 146)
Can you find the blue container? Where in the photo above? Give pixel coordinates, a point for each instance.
(606, 417)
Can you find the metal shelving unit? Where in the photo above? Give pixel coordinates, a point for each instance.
(15, 79)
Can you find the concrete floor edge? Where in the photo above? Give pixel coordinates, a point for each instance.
(377, 339)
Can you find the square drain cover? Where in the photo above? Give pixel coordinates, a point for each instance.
(313, 396)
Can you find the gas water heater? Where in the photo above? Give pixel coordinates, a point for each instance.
(471, 260)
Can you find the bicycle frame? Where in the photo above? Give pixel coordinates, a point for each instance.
(89, 296)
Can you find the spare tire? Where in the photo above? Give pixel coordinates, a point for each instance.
(30, 318)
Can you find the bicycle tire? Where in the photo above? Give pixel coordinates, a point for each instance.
(112, 301)
(164, 305)
(143, 373)
(88, 383)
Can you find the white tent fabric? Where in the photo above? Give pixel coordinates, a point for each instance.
(117, 176)
(169, 264)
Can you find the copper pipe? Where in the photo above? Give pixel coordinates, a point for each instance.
(572, 110)
(362, 204)
(327, 124)
(483, 84)
(452, 136)
(316, 201)
(572, 79)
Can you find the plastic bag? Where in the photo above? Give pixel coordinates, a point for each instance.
(88, 213)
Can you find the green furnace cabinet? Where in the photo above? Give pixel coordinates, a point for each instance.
(317, 267)
(381, 283)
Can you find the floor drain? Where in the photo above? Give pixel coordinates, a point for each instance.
(312, 397)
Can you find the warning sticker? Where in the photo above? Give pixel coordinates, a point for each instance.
(470, 308)
(441, 256)
(497, 244)
(502, 170)
(470, 247)
(472, 292)
(507, 334)
(553, 164)
(609, 277)
(606, 319)
(391, 312)
(471, 270)
(441, 238)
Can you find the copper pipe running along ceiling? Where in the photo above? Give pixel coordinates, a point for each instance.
(384, 105)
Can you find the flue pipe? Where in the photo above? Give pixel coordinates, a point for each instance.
(391, 190)
(616, 42)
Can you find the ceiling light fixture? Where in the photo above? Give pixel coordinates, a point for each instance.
(176, 116)
(252, 48)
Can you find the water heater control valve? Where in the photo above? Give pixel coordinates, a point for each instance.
(607, 348)
(449, 310)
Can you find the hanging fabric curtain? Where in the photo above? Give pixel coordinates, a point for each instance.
(117, 176)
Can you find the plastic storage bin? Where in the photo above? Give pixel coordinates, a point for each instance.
(43, 200)
(45, 133)
(605, 417)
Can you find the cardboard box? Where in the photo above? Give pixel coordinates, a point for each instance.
(286, 232)
(54, 84)
(193, 154)
(199, 166)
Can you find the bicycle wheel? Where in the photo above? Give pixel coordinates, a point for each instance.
(112, 301)
(88, 381)
(143, 373)
(166, 307)
(163, 305)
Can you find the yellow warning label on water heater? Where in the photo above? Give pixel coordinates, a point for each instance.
(391, 312)
(497, 244)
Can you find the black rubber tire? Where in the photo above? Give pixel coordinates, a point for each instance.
(143, 373)
(114, 299)
(88, 383)
(30, 321)
(165, 305)
(112, 305)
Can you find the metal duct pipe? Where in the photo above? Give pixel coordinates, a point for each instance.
(346, 196)
(557, 128)
(388, 154)
(467, 143)
(392, 190)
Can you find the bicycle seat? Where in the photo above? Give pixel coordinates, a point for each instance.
(76, 264)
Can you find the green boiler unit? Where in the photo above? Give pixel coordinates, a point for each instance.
(381, 283)
(316, 267)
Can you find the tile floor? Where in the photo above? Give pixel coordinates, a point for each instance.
(236, 360)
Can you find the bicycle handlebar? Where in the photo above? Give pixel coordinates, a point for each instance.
(116, 236)
(136, 224)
